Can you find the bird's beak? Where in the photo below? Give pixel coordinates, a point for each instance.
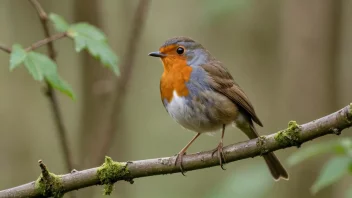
(156, 54)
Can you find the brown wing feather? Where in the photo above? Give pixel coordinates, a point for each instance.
(222, 81)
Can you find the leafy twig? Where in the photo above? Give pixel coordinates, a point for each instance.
(111, 172)
(127, 65)
(50, 91)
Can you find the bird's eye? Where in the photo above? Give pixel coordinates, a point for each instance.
(180, 50)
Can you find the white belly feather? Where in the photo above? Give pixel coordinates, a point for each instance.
(179, 110)
(199, 118)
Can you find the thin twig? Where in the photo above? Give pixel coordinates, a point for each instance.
(50, 91)
(294, 136)
(45, 171)
(46, 41)
(42, 14)
(5, 49)
(38, 44)
(127, 65)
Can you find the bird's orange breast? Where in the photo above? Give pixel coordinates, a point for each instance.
(174, 78)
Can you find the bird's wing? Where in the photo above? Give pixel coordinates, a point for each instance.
(221, 81)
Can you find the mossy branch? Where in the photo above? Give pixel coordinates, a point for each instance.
(111, 172)
(48, 184)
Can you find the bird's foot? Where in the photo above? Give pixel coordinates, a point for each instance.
(221, 155)
(179, 158)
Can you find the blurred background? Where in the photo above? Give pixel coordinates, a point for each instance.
(292, 58)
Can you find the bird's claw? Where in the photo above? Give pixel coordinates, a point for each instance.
(221, 155)
(179, 157)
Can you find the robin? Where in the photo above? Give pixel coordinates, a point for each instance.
(201, 95)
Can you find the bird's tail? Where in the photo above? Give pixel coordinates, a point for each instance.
(276, 168)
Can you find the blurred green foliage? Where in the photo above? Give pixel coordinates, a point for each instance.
(334, 169)
(251, 181)
(85, 36)
(340, 146)
(349, 193)
(254, 181)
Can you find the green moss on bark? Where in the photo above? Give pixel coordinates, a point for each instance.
(50, 186)
(110, 172)
(289, 136)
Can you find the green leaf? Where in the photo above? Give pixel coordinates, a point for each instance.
(340, 146)
(59, 22)
(253, 181)
(88, 31)
(17, 56)
(104, 53)
(55, 81)
(37, 64)
(332, 171)
(94, 41)
(41, 66)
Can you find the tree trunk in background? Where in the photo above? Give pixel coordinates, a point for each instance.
(344, 82)
(98, 90)
(308, 77)
(344, 70)
(99, 86)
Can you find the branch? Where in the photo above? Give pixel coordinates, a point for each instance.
(45, 41)
(42, 14)
(5, 49)
(50, 91)
(127, 65)
(38, 44)
(110, 171)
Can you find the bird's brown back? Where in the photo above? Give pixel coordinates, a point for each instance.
(222, 82)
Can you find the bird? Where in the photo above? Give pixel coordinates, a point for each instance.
(201, 95)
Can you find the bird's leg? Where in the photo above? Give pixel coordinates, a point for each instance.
(183, 152)
(219, 150)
